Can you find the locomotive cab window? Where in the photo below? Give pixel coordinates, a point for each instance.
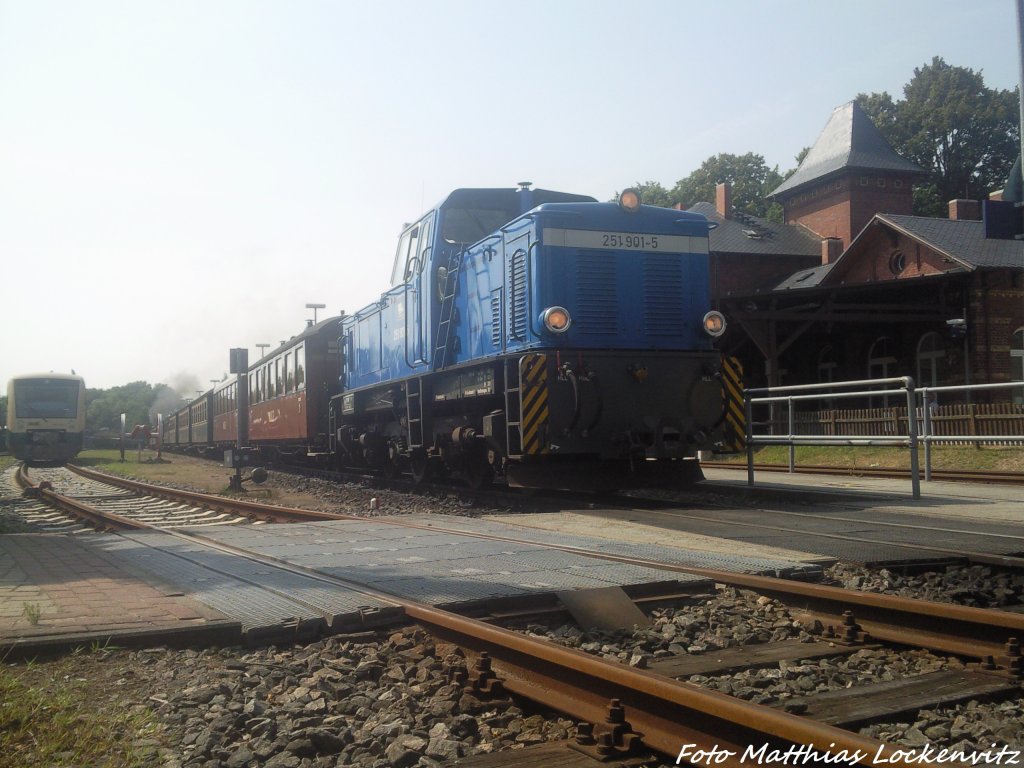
(467, 225)
(407, 252)
(413, 251)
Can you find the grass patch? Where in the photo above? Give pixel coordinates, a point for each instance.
(32, 613)
(7, 461)
(109, 460)
(175, 470)
(965, 458)
(52, 718)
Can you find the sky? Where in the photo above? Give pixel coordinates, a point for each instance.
(180, 178)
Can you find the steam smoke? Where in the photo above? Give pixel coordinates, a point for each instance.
(172, 397)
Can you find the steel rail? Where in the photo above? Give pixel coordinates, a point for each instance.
(103, 521)
(667, 714)
(945, 627)
(243, 507)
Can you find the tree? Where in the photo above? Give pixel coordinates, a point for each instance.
(103, 407)
(964, 134)
(751, 179)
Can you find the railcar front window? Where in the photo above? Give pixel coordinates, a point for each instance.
(46, 399)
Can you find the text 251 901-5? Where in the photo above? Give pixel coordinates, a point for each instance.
(613, 240)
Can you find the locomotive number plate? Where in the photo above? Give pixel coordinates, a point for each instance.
(624, 241)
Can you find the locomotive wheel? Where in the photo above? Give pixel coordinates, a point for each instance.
(477, 471)
(390, 465)
(420, 466)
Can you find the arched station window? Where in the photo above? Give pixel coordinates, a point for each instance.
(931, 352)
(882, 365)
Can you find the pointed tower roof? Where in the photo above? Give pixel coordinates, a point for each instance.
(850, 141)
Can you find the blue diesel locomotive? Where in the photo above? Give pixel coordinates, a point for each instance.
(540, 336)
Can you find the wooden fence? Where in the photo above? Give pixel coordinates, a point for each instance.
(996, 419)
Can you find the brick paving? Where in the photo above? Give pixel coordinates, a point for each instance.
(60, 587)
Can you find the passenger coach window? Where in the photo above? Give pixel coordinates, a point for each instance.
(300, 367)
(286, 375)
(278, 381)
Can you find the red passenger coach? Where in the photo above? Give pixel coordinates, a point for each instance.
(199, 415)
(169, 425)
(229, 397)
(290, 391)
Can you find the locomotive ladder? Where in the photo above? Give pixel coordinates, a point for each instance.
(444, 327)
(513, 409)
(414, 407)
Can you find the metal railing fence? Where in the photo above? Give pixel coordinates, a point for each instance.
(919, 427)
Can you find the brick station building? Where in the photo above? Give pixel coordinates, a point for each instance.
(854, 286)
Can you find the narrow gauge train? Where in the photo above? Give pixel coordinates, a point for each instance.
(45, 416)
(284, 397)
(537, 336)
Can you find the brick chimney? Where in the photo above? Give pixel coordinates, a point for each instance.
(965, 210)
(723, 200)
(831, 248)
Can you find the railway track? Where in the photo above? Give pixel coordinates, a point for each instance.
(637, 710)
(977, 476)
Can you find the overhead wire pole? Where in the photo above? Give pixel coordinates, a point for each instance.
(1020, 82)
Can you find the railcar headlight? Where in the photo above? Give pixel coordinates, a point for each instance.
(629, 200)
(556, 319)
(714, 323)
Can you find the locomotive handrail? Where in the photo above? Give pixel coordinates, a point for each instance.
(405, 314)
(529, 287)
(412, 363)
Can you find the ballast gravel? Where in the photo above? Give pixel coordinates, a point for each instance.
(392, 702)
(733, 618)
(397, 699)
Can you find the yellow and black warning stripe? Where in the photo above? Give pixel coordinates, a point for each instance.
(732, 392)
(533, 383)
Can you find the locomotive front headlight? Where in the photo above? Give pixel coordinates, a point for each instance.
(714, 323)
(556, 319)
(629, 200)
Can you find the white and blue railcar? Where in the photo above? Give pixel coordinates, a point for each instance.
(45, 416)
(542, 336)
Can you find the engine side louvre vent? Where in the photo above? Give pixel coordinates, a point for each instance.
(496, 325)
(597, 311)
(664, 298)
(517, 289)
